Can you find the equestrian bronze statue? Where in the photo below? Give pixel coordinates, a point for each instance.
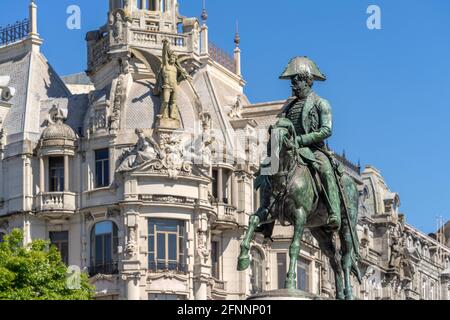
(304, 186)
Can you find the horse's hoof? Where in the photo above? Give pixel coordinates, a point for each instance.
(243, 263)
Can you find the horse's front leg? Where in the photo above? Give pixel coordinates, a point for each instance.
(294, 250)
(255, 220)
(347, 248)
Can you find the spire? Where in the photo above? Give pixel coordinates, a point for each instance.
(204, 13)
(237, 39)
(33, 33)
(33, 18)
(205, 41)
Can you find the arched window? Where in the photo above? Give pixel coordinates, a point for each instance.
(256, 272)
(104, 243)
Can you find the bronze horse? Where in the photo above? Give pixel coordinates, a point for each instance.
(295, 201)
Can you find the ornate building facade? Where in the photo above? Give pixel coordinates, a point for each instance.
(152, 211)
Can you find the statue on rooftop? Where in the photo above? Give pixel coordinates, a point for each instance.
(169, 78)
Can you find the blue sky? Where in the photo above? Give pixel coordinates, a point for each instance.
(389, 88)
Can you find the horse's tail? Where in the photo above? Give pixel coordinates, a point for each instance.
(355, 268)
(353, 197)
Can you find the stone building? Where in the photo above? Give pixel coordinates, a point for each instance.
(158, 212)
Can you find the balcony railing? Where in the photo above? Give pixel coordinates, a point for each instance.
(221, 57)
(56, 201)
(170, 266)
(106, 268)
(15, 32)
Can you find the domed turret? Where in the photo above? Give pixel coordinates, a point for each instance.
(58, 133)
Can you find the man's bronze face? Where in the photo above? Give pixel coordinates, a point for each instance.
(301, 87)
(172, 59)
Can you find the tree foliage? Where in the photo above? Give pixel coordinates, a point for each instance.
(36, 272)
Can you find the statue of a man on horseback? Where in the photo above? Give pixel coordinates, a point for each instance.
(302, 184)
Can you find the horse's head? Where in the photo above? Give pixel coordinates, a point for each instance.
(282, 141)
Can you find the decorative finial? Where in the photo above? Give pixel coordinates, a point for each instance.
(204, 12)
(237, 39)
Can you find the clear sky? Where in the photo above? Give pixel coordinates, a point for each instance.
(389, 88)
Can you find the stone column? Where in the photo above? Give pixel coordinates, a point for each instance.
(201, 292)
(33, 18)
(234, 190)
(66, 173)
(133, 292)
(220, 185)
(157, 5)
(204, 45)
(237, 60)
(229, 188)
(41, 175)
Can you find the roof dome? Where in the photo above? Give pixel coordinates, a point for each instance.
(59, 131)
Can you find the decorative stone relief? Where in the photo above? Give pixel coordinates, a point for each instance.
(118, 23)
(6, 93)
(236, 109)
(119, 96)
(131, 246)
(148, 155)
(144, 151)
(202, 238)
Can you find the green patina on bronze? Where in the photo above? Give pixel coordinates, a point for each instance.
(307, 188)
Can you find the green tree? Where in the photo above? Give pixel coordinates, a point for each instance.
(36, 272)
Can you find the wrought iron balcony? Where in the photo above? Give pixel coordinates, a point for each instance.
(15, 32)
(221, 57)
(164, 267)
(106, 268)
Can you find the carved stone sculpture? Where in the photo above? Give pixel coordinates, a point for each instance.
(145, 150)
(170, 76)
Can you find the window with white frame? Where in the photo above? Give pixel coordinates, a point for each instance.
(166, 245)
(215, 260)
(281, 269)
(60, 239)
(303, 274)
(56, 174)
(102, 168)
(256, 272)
(104, 248)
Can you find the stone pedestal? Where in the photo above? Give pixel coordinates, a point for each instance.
(168, 123)
(284, 294)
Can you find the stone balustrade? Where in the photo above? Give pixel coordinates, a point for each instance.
(56, 201)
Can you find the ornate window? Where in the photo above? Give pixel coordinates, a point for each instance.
(256, 275)
(303, 276)
(104, 248)
(102, 168)
(166, 245)
(56, 174)
(281, 268)
(61, 241)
